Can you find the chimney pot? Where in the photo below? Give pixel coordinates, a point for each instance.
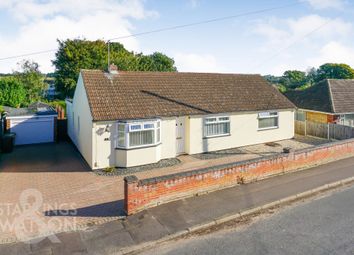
(113, 69)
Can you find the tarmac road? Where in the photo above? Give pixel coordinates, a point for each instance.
(322, 226)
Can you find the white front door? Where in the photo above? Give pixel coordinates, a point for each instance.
(180, 135)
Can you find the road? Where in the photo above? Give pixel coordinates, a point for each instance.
(322, 226)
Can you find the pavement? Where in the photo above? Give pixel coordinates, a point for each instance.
(168, 219)
(317, 227)
(66, 183)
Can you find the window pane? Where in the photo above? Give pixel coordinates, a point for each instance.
(217, 129)
(135, 127)
(121, 135)
(148, 126)
(263, 114)
(208, 120)
(267, 114)
(224, 119)
(144, 137)
(268, 122)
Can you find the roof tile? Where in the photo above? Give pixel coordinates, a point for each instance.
(132, 95)
(332, 96)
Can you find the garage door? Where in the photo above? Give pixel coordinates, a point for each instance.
(33, 130)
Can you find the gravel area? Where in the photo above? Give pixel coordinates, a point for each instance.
(118, 171)
(220, 154)
(265, 149)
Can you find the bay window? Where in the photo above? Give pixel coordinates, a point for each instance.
(216, 126)
(138, 133)
(267, 120)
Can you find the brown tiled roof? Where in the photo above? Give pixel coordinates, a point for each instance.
(342, 92)
(132, 95)
(317, 97)
(332, 96)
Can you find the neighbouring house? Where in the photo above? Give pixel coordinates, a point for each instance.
(126, 119)
(329, 101)
(33, 124)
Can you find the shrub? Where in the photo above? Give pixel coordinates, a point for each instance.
(12, 93)
(109, 169)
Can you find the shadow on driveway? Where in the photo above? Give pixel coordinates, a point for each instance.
(50, 157)
(110, 209)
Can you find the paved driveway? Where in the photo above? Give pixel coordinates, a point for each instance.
(65, 183)
(61, 157)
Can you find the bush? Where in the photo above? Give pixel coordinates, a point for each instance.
(109, 169)
(12, 93)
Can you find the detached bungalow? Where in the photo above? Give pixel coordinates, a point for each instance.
(330, 101)
(126, 119)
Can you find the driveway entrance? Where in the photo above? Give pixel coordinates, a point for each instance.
(71, 193)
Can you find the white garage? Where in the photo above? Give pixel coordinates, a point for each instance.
(35, 124)
(33, 130)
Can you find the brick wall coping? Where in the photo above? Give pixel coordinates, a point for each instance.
(154, 180)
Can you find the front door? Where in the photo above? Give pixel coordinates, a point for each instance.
(180, 135)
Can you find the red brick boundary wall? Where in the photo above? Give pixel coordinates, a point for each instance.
(145, 193)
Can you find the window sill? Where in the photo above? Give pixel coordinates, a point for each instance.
(216, 136)
(137, 147)
(268, 128)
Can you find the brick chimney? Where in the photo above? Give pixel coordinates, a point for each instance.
(113, 69)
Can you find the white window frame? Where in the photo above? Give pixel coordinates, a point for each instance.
(216, 120)
(129, 127)
(268, 115)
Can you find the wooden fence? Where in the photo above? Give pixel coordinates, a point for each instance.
(62, 130)
(324, 130)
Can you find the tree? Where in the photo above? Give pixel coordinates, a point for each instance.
(301, 80)
(334, 71)
(77, 54)
(12, 92)
(311, 74)
(293, 79)
(72, 56)
(162, 63)
(31, 79)
(272, 79)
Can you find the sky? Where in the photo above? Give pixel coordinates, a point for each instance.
(296, 34)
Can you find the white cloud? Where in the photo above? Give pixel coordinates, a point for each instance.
(193, 3)
(331, 27)
(333, 52)
(41, 24)
(297, 43)
(190, 62)
(25, 10)
(327, 4)
(283, 31)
